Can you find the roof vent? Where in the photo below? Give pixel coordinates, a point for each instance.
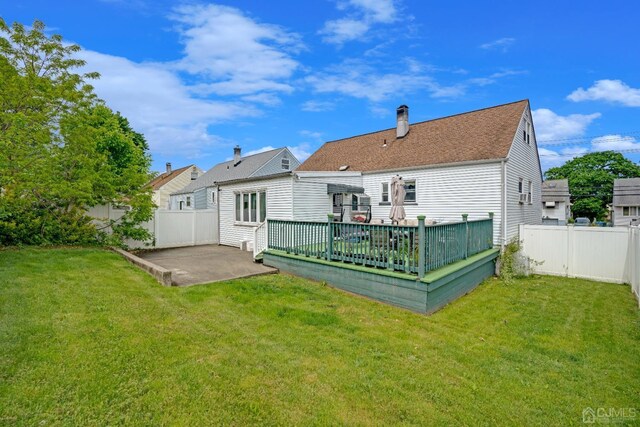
(402, 122)
(343, 168)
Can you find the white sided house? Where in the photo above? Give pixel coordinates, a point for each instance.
(626, 202)
(556, 202)
(472, 163)
(242, 192)
(172, 180)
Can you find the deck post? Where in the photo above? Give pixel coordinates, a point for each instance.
(329, 236)
(465, 218)
(422, 246)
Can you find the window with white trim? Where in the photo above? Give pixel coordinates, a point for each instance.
(410, 191)
(188, 201)
(520, 186)
(251, 207)
(385, 192)
(530, 193)
(630, 210)
(526, 131)
(285, 163)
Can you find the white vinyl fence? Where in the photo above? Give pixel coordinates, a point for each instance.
(604, 254)
(171, 228)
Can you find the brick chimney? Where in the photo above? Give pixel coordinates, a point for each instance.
(168, 167)
(402, 127)
(236, 155)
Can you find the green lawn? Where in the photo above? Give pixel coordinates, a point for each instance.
(87, 339)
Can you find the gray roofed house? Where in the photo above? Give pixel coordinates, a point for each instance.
(556, 204)
(626, 201)
(198, 194)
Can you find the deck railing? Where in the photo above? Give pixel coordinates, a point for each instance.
(411, 249)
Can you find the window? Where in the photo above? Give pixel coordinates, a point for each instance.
(263, 206)
(530, 193)
(630, 210)
(213, 196)
(520, 186)
(245, 207)
(188, 201)
(285, 164)
(526, 131)
(354, 202)
(410, 191)
(254, 207)
(181, 203)
(385, 192)
(251, 207)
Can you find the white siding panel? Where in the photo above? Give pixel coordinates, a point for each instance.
(279, 206)
(444, 194)
(311, 201)
(523, 163)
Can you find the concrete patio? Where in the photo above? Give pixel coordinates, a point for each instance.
(205, 264)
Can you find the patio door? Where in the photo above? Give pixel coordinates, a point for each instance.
(337, 206)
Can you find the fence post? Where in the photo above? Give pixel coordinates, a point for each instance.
(422, 246)
(329, 236)
(465, 217)
(491, 218)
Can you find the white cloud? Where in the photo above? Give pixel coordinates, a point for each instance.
(240, 55)
(363, 15)
(317, 106)
(550, 158)
(615, 142)
(551, 126)
(361, 80)
(376, 10)
(159, 104)
(343, 30)
(608, 90)
(263, 98)
(302, 151)
(502, 44)
(310, 134)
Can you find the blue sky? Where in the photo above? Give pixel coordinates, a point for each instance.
(198, 78)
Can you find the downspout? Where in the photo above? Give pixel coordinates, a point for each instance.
(218, 210)
(503, 208)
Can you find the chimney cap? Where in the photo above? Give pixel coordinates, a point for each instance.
(403, 107)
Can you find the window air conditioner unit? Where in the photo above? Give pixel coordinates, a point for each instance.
(364, 202)
(523, 197)
(550, 204)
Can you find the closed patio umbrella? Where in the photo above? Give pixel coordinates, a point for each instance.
(397, 199)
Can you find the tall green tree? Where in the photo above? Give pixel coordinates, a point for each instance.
(591, 180)
(62, 150)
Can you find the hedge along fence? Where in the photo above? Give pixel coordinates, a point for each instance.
(411, 249)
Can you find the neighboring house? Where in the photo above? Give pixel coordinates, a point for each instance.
(172, 180)
(243, 191)
(556, 204)
(475, 163)
(626, 202)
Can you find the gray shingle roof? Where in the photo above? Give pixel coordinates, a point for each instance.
(226, 171)
(626, 192)
(555, 190)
